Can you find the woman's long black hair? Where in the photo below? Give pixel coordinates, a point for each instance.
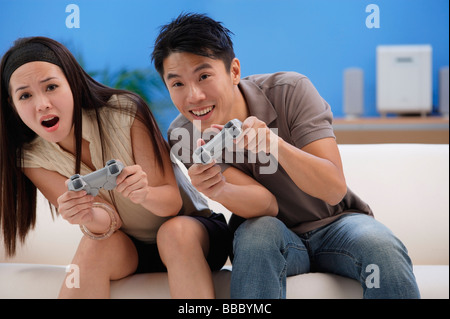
(17, 192)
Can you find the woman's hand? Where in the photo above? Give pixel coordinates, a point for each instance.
(132, 183)
(76, 207)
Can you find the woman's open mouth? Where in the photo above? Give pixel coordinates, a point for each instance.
(50, 123)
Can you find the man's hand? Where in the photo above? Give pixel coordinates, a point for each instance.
(207, 178)
(257, 137)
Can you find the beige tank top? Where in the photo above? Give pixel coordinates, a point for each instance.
(137, 221)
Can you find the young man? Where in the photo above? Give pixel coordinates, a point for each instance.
(300, 216)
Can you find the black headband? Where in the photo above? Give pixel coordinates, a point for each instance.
(29, 52)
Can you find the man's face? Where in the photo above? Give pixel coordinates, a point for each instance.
(202, 88)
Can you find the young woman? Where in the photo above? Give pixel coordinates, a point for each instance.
(56, 121)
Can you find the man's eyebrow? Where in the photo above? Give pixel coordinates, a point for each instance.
(26, 86)
(202, 66)
(171, 76)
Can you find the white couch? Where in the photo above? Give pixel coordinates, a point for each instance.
(407, 186)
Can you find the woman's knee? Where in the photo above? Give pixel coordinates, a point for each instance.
(115, 252)
(181, 234)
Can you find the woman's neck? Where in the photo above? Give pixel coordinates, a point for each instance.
(68, 145)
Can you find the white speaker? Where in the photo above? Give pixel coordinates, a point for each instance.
(443, 91)
(404, 79)
(353, 92)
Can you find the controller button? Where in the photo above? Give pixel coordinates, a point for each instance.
(77, 184)
(114, 169)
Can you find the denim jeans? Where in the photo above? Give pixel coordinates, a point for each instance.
(355, 246)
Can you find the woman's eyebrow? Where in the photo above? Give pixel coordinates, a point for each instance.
(26, 86)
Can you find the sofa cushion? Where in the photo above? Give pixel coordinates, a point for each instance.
(407, 186)
(44, 282)
(30, 281)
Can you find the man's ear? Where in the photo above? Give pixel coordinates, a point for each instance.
(235, 70)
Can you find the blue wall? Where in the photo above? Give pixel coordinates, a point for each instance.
(318, 38)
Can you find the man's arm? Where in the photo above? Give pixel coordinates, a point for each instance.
(237, 191)
(316, 168)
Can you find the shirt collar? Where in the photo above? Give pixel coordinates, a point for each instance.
(257, 102)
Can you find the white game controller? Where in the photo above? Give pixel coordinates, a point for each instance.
(102, 178)
(213, 149)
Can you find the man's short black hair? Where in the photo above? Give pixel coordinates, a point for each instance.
(193, 33)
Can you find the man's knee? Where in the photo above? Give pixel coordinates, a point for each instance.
(259, 233)
(382, 243)
(389, 251)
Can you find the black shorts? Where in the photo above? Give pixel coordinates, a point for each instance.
(220, 245)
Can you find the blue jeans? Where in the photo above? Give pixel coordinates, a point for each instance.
(355, 246)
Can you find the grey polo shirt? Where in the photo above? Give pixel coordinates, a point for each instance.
(291, 106)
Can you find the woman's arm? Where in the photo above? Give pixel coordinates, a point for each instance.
(75, 207)
(145, 183)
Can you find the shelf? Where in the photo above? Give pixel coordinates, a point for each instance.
(429, 130)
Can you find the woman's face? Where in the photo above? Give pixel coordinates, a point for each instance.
(43, 99)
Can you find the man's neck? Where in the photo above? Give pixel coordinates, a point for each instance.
(240, 107)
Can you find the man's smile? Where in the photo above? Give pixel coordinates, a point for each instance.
(201, 113)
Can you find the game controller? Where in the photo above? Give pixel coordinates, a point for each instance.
(103, 178)
(213, 149)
